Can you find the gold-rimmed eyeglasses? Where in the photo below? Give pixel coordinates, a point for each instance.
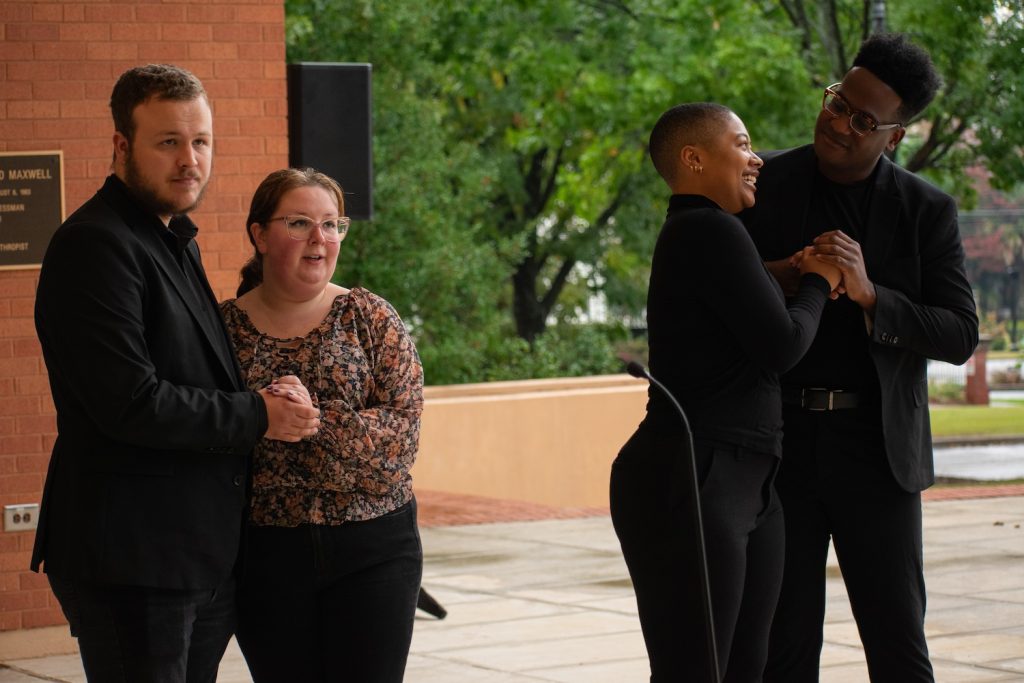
(860, 123)
(299, 227)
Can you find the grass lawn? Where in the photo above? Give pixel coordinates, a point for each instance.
(950, 420)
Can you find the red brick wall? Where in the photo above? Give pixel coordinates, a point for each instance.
(58, 63)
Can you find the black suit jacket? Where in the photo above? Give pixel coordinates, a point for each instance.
(913, 255)
(147, 479)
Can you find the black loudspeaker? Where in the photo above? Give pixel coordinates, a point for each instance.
(330, 127)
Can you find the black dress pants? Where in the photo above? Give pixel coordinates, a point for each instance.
(835, 482)
(650, 506)
(331, 603)
(134, 634)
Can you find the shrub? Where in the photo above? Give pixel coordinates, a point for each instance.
(1011, 375)
(944, 393)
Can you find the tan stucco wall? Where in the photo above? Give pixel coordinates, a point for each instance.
(545, 441)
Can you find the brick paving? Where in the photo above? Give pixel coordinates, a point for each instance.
(968, 492)
(439, 509)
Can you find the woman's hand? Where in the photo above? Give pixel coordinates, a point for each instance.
(290, 387)
(809, 263)
(786, 272)
(294, 417)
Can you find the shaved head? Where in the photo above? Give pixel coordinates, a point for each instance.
(694, 123)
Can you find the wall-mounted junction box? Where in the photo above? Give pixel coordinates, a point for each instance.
(24, 517)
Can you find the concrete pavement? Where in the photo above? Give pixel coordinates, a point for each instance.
(550, 600)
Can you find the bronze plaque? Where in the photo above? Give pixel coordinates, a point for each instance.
(31, 205)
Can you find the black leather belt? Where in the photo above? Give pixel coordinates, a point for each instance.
(817, 398)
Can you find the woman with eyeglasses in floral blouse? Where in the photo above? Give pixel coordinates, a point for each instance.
(333, 561)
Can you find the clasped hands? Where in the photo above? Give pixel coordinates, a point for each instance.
(292, 413)
(838, 258)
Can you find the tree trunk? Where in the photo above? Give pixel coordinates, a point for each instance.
(529, 314)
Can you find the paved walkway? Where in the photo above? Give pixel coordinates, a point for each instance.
(549, 599)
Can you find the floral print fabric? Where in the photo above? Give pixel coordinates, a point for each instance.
(362, 369)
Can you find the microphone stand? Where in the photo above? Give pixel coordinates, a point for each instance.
(637, 370)
(429, 604)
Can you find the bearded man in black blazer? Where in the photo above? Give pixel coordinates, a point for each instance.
(145, 495)
(857, 446)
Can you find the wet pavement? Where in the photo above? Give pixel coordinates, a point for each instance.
(996, 462)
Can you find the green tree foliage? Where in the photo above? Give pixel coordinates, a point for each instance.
(563, 95)
(510, 145)
(978, 117)
(424, 251)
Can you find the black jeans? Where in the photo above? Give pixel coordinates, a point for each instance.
(331, 603)
(132, 634)
(743, 532)
(835, 482)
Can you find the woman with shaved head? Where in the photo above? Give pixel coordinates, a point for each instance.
(719, 331)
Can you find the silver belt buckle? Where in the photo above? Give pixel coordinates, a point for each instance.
(831, 399)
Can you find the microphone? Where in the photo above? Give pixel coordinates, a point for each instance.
(640, 372)
(635, 369)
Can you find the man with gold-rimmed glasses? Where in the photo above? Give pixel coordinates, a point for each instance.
(857, 442)
(861, 123)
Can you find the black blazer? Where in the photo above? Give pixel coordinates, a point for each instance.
(913, 255)
(147, 479)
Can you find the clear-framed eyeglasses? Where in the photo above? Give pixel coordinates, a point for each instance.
(299, 227)
(860, 123)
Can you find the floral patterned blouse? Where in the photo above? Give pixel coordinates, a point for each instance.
(362, 369)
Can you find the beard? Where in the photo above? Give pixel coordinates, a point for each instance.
(148, 195)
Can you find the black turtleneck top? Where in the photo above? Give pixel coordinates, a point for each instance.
(720, 330)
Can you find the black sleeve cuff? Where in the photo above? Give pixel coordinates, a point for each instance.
(817, 281)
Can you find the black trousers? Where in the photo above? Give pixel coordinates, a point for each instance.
(331, 603)
(835, 482)
(132, 634)
(743, 527)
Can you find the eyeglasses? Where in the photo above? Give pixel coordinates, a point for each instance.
(860, 123)
(299, 227)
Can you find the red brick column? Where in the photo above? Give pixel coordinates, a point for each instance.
(58, 63)
(976, 389)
